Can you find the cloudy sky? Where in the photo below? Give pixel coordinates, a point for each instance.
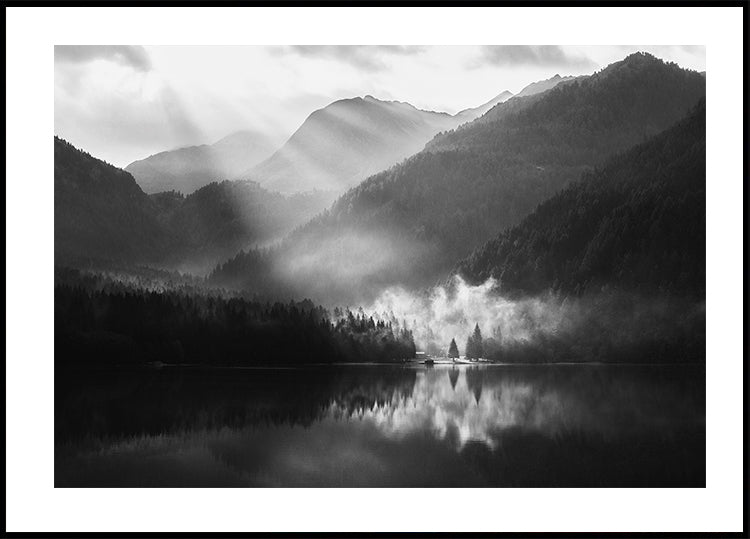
(122, 103)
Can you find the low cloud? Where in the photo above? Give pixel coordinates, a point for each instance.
(365, 57)
(129, 55)
(451, 311)
(530, 55)
(587, 327)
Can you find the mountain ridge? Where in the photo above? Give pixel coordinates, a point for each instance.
(635, 223)
(346, 141)
(103, 215)
(469, 184)
(189, 168)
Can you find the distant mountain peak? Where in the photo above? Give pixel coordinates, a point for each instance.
(637, 64)
(641, 56)
(342, 143)
(543, 85)
(189, 168)
(476, 112)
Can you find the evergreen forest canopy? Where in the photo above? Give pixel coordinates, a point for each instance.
(100, 321)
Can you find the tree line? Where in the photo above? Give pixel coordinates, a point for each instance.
(99, 321)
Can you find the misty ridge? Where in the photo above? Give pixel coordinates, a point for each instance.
(566, 223)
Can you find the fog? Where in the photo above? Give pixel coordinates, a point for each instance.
(600, 325)
(452, 311)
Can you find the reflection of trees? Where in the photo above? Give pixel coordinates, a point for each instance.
(475, 380)
(453, 375)
(576, 404)
(139, 401)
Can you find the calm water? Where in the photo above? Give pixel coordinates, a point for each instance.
(342, 426)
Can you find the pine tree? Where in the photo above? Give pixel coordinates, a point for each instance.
(453, 349)
(470, 354)
(478, 347)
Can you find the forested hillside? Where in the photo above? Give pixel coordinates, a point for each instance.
(102, 214)
(583, 120)
(408, 225)
(219, 219)
(638, 223)
(100, 211)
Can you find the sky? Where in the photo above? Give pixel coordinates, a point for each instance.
(121, 103)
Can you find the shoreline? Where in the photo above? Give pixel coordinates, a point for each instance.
(408, 365)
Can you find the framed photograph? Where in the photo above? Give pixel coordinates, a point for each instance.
(443, 270)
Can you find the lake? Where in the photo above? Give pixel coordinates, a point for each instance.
(379, 425)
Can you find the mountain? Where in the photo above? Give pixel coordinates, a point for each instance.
(187, 169)
(531, 89)
(409, 225)
(222, 218)
(627, 101)
(543, 85)
(102, 214)
(100, 211)
(638, 222)
(468, 115)
(340, 145)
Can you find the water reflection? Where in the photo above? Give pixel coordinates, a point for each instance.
(476, 404)
(384, 426)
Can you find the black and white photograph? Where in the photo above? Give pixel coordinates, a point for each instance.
(408, 264)
(387, 294)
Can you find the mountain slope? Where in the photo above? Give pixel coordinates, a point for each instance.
(588, 117)
(408, 225)
(100, 212)
(468, 115)
(639, 222)
(222, 218)
(188, 169)
(543, 85)
(340, 145)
